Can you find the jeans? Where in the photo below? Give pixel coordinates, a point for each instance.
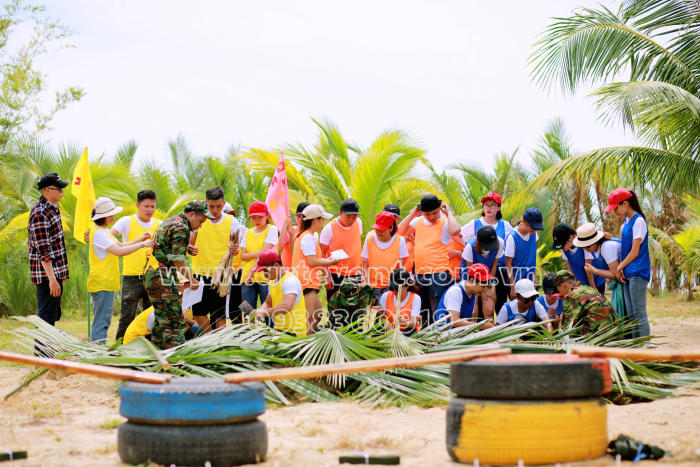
(635, 293)
(251, 293)
(378, 292)
(103, 304)
(133, 292)
(193, 331)
(432, 287)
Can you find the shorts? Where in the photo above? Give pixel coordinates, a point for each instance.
(309, 290)
(212, 304)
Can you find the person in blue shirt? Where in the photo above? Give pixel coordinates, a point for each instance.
(525, 307)
(459, 305)
(486, 248)
(551, 300)
(521, 248)
(634, 271)
(564, 239)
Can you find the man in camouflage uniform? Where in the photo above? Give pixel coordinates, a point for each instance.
(350, 302)
(170, 248)
(582, 305)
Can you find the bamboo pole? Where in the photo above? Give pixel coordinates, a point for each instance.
(87, 368)
(637, 354)
(366, 366)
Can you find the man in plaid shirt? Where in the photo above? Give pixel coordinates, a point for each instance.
(48, 261)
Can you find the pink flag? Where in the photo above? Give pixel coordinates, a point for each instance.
(278, 203)
(278, 195)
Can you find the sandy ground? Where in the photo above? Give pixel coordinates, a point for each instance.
(71, 420)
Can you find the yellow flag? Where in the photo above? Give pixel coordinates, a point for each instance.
(85, 197)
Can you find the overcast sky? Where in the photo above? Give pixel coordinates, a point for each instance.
(452, 73)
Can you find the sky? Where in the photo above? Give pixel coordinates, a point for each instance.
(453, 74)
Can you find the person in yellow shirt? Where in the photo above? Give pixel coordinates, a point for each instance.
(142, 325)
(262, 236)
(207, 246)
(285, 302)
(129, 228)
(103, 278)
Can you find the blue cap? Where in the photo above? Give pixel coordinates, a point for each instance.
(533, 216)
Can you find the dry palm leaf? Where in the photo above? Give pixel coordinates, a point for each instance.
(222, 275)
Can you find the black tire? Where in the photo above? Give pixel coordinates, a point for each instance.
(531, 376)
(221, 445)
(192, 401)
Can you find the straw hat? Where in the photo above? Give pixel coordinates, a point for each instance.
(105, 207)
(587, 235)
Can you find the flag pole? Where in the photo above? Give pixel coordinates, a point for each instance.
(87, 258)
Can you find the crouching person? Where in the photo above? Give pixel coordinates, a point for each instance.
(583, 305)
(525, 307)
(460, 305)
(408, 316)
(285, 301)
(142, 325)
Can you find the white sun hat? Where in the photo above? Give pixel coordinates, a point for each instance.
(587, 235)
(525, 288)
(105, 207)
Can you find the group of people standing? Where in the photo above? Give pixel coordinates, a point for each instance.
(423, 268)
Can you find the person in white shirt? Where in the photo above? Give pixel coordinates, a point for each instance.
(525, 307)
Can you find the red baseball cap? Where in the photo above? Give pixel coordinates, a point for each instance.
(493, 196)
(480, 272)
(384, 220)
(267, 258)
(615, 197)
(258, 208)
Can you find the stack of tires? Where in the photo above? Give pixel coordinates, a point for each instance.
(538, 408)
(192, 421)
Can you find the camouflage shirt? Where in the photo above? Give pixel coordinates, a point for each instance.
(171, 240)
(585, 306)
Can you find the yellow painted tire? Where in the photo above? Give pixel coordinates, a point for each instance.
(538, 432)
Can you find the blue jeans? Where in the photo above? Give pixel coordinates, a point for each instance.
(251, 293)
(103, 305)
(432, 287)
(635, 293)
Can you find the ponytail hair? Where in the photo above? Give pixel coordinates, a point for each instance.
(99, 222)
(634, 204)
(305, 225)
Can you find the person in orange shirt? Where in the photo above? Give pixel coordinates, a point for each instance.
(309, 264)
(382, 252)
(343, 233)
(409, 308)
(410, 239)
(433, 224)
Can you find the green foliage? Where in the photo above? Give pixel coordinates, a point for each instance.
(245, 347)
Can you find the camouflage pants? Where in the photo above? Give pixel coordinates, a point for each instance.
(350, 302)
(169, 324)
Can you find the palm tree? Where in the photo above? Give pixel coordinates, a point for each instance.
(333, 170)
(653, 44)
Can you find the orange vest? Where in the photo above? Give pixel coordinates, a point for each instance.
(411, 259)
(457, 260)
(390, 309)
(431, 253)
(310, 277)
(350, 241)
(380, 262)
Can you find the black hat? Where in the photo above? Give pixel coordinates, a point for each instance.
(52, 179)
(393, 208)
(429, 203)
(487, 238)
(400, 277)
(301, 206)
(548, 283)
(561, 235)
(350, 206)
(533, 216)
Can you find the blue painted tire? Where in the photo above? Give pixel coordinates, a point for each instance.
(192, 401)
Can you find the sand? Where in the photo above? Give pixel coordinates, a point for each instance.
(63, 419)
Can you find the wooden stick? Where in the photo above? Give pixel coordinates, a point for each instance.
(637, 354)
(87, 368)
(366, 366)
